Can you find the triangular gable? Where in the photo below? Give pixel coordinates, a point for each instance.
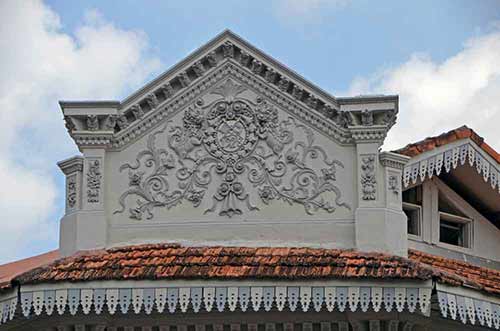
(122, 122)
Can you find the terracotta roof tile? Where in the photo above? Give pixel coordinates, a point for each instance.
(456, 272)
(10, 270)
(169, 261)
(431, 143)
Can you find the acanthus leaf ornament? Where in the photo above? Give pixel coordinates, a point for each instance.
(71, 190)
(92, 123)
(243, 144)
(94, 177)
(368, 178)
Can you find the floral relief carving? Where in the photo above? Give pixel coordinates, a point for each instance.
(94, 177)
(393, 182)
(92, 123)
(71, 191)
(368, 178)
(233, 143)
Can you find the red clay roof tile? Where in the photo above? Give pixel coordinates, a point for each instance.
(431, 143)
(170, 261)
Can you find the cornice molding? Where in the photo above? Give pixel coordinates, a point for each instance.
(92, 140)
(71, 165)
(365, 134)
(393, 160)
(195, 74)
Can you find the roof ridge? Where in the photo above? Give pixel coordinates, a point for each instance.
(432, 142)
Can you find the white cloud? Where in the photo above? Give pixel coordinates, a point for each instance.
(39, 65)
(437, 97)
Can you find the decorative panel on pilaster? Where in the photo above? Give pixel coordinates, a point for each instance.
(73, 168)
(93, 183)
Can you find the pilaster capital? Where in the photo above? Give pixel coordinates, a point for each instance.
(71, 165)
(393, 160)
(368, 134)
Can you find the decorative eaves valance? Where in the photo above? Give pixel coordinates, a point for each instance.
(256, 296)
(468, 306)
(449, 157)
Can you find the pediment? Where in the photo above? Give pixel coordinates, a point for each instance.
(229, 152)
(117, 124)
(227, 143)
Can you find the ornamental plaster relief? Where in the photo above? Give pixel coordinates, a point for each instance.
(368, 177)
(233, 153)
(94, 176)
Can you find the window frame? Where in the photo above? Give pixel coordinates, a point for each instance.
(467, 228)
(418, 208)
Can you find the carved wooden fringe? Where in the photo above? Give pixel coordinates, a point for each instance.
(469, 310)
(450, 159)
(245, 298)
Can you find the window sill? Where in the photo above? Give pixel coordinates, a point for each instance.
(467, 250)
(415, 237)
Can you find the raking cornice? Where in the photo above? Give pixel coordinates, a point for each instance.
(227, 54)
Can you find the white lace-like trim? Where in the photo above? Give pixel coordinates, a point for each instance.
(470, 310)
(450, 159)
(256, 298)
(8, 309)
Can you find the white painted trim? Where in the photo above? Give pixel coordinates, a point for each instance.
(469, 306)
(181, 295)
(450, 156)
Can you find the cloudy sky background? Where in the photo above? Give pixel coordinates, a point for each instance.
(441, 57)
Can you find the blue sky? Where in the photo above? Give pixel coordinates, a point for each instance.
(441, 57)
(328, 42)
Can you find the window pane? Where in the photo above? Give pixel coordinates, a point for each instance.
(451, 233)
(413, 195)
(413, 221)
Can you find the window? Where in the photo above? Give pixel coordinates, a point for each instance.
(412, 207)
(455, 230)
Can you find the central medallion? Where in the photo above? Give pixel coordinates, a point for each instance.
(231, 135)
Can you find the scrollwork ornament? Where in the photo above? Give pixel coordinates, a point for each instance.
(152, 101)
(228, 49)
(110, 122)
(137, 111)
(199, 69)
(94, 177)
(122, 121)
(212, 59)
(241, 142)
(184, 79)
(297, 92)
(367, 118)
(283, 84)
(368, 178)
(244, 58)
(393, 184)
(70, 125)
(270, 75)
(71, 192)
(92, 123)
(167, 90)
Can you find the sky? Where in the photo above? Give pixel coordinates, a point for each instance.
(441, 57)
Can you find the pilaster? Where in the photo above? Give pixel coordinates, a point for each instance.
(84, 226)
(379, 219)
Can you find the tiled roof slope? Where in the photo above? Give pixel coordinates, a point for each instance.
(10, 270)
(431, 143)
(167, 261)
(484, 279)
(170, 261)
